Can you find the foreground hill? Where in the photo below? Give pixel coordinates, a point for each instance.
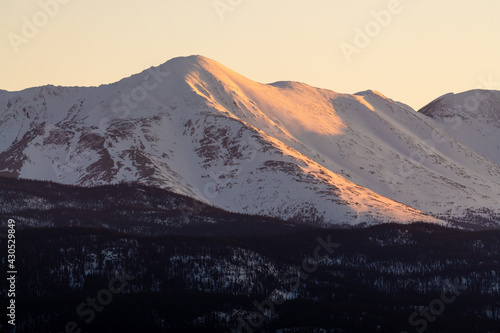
(372, 280)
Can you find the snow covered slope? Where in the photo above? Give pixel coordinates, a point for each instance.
(286, 149)
(471, 117)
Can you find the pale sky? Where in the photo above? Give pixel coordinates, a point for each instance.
(420, 51)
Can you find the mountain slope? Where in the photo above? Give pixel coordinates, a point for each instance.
(471, 117)
(288, 150)
(378, 143)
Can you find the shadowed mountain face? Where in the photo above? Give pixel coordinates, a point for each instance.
(286, 150)
(472, 117)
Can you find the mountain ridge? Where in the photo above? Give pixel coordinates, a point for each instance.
(197, 128)
(478, 109)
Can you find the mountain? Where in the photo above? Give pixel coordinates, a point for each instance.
(287, 150)
(471, 117)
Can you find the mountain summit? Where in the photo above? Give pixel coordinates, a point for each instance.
(286, 149)
(471, 117)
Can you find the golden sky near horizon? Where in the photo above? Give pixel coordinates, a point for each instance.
(410, 50)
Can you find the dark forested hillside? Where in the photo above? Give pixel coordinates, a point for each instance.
(372, 281)
(129, 208)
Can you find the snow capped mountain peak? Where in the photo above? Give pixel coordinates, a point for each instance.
(471, 117)
(371, 93)
(196, 66)
(480, 104)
